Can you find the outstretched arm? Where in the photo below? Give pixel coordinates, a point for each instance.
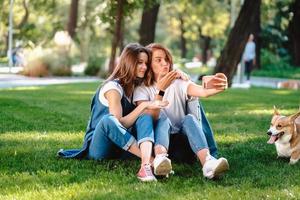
(217, 84)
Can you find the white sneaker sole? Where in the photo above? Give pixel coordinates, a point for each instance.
(222, 167)
(163, 169)
(147, 179)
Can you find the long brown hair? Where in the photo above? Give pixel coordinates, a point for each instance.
(125, 71)
(156, 46)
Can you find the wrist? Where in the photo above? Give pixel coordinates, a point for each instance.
(161, 93)
(145, 105)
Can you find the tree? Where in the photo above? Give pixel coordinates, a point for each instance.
(257, 34)
(196, 24)
(205, 46)
(117, 34)
(25, 16)
(234, 47)
(182, 37)
(72, 22)
(115, 15)
(148, 23)
(275, 19)
(294, 32)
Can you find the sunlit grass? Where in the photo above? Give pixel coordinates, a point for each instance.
(23, 88)
(36, 122)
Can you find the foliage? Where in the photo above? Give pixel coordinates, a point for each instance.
(275, 20)
(206, 18)
(37, 121)
(4, 60)
(95, 64)
(275, 66)
(96, 20)
(45, 18)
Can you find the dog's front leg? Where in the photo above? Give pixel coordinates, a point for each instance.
(294, 157)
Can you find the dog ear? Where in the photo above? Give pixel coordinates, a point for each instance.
(276, 112)
(294, 116)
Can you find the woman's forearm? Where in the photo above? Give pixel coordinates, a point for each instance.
(128, 120)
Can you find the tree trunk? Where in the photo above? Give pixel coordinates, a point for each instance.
(233, 50)
(205, 45)
(294, 33)
(148, 23)
(117, 34)
(182, 38)
(121, 43)
(72, 23)
(26, 15)
(257, 39)
(6, 42)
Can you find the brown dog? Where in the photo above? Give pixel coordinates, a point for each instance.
(291, 84)
(285, 133)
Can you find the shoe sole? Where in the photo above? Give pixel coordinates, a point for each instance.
(221, 168)
(163, 169)
(147, 179)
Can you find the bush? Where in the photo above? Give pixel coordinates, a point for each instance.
(4, 60)
(94, 66)
(273, 65)
(47, 62)
(59, 64)
(36, 68)
(271, 61)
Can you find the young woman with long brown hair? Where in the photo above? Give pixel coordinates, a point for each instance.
(115, 119)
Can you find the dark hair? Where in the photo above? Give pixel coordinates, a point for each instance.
(125, 71)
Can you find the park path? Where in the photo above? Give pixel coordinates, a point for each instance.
(14, 80)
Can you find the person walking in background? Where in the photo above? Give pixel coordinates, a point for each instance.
(249, 56)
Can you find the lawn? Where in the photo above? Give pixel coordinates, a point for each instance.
(37, 121)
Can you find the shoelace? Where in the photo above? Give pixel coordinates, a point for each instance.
(209, 157)
(148, 170)
(162, 155)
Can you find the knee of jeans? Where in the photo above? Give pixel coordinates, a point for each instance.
(107, 120)
(163, 120)
(144, 120)
(189, 117)
(145, 117)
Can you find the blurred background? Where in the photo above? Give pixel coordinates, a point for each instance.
(85, 37)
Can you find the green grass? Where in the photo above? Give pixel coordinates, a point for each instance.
(37, 121)
(289, 73)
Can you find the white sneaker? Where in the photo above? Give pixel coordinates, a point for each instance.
(214, 168)
(162, 165)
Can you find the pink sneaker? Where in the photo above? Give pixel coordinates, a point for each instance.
(145, 173)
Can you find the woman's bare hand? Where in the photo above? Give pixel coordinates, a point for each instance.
(182, 75)
(218, 82)
(156, 104)
(164, 82)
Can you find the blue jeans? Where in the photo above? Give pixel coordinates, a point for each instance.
(195, 108)
(199, 134)
(110, 136)
(209, 135)
(194, 132)
(162, 130)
